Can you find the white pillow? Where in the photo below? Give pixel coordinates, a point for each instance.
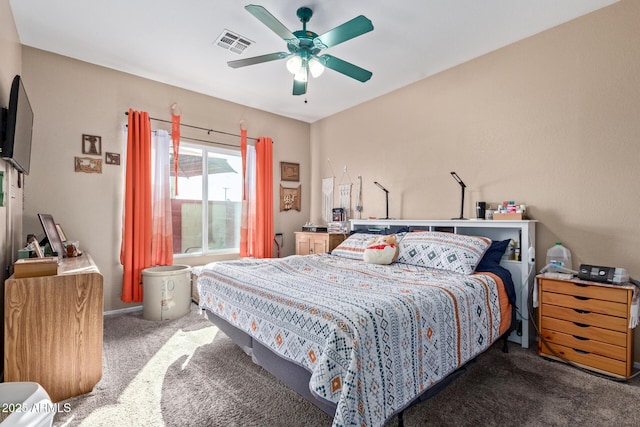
(445, 251)
(353, 246)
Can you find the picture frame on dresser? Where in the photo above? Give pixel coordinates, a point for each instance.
(52, 235)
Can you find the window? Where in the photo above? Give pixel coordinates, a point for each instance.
(214, 226)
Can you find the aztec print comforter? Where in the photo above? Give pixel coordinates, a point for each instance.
(374, 337)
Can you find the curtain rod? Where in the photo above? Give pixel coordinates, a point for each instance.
(196, 127)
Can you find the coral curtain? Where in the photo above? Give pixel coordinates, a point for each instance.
(256, 231)
(161, 225)
(135, 252)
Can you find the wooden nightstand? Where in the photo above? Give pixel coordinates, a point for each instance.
(316, 243)
(587, 323)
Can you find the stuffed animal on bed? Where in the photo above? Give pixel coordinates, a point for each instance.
(382, 250)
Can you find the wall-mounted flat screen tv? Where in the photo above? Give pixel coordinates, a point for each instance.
(17, 128)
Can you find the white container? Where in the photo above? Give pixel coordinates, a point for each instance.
(33, 407)
(559, 256)
(166, 292)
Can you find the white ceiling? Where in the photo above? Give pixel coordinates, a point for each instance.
(172, 42)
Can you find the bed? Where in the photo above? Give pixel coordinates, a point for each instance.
(364, 341)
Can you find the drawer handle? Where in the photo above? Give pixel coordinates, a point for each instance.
(581, 311)
(581, 298)
(581, 351)
(581, 325)
(580, 338)
(582, 285)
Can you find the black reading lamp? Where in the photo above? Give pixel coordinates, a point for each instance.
(462, 186)
(386, 193)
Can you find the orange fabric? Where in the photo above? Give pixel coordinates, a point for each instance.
(135, 252)
(505, 305)
(175, 137)
(264, 198)
(256, 229)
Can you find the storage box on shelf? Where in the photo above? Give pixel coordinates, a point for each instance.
(586, 323)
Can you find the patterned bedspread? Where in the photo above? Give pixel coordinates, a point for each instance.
(374, 337)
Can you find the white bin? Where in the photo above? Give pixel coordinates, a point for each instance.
(166, 292)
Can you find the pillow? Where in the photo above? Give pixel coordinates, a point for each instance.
(383, 250)
(457, 253)
(353, 246)
(494, 254)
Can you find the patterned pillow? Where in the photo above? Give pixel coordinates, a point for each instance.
(353, 246)
(445, 251)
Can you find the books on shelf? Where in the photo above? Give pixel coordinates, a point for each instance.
(338, 227)
(35, 267)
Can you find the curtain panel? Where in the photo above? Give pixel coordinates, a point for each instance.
(256, 230)
(147, 238)
(135, 251)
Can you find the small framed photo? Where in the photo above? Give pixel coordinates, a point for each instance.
(88, 164)
(63, 236)
(36, 247)
(289, 171)
(112, 158)
(91, 144)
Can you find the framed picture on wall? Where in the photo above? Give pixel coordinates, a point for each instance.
(92, 144)
(289, 171)
(290, 198)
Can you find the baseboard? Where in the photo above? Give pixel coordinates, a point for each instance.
(122, 310)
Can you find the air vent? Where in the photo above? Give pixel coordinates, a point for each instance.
(233, 42)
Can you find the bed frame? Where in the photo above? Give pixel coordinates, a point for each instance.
(297, 377)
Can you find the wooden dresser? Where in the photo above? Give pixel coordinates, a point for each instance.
(53, 329)
(586, 323)
(316, 243)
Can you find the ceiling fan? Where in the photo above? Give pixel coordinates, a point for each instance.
(305, 45)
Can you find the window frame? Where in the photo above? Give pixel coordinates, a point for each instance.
(207, 148)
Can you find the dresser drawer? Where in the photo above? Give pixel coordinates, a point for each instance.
(588, 341)
(610, 308)
(585, 331)
(585, 317)
(592, 360)
(603, 293)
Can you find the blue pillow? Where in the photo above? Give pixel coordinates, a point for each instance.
(494, 254)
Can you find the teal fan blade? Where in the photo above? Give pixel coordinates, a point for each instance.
(350, 29)
(345, 68)
(257, 59)
(270, 21)
(299, 88)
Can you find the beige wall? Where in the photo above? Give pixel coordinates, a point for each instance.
(71, 98)
(552, 121)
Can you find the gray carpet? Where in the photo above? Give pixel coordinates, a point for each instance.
(185, 373)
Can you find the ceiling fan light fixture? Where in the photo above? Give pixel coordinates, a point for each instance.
(315, 67)
(301, 76)
(294, 64)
